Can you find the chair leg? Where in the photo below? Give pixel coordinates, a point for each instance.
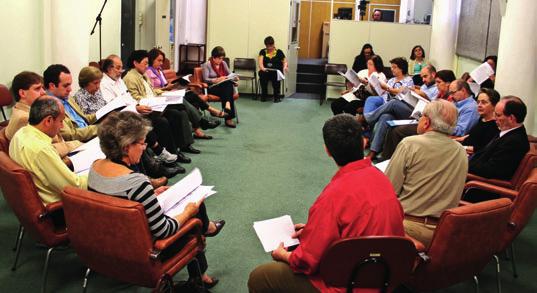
(513, 260)
(498, 276)
(18, 245)
(476, 282)
(45, 269)
(17, 238)
(86, 279)
(199, 272)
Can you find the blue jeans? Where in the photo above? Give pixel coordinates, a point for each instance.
(371, 104)
(394, 109)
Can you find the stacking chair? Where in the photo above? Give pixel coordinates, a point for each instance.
(368, 262)
(111, 236)
(6, 99)
(169, 74)
(332, 69)
(465, 240)
(504, 188)
(247, 64)
(40, 221)
(198, 86)
(226, 59)
(524, 206)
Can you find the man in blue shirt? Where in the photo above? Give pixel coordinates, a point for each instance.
(76, 125)
(397, 109)
(460, 92)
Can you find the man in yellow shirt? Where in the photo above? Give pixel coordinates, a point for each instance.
(31, 147)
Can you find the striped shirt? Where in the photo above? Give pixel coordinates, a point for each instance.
(136, 187)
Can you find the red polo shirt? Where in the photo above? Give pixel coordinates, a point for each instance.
(358, 201)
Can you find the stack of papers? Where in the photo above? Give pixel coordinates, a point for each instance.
(189, 189)
(167, 98)
(230, 77)
(85, 155)
(272, 232)
(394, 123)
(279, 74)
(374, 85)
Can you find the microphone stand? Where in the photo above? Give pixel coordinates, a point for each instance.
(99, 19)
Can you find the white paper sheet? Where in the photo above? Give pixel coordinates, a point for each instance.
(349, 97)
(274, 231)
(89, 153)
(280, 76)
(418, 109)
(374, 82)
(174, 97)
(111, 106)
(482, 73)
(475, 88)
(382, 166)
(351, 76)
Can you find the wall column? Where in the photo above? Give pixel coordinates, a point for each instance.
(445, 25)
(516, 70)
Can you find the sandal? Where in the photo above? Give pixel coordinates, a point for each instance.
(204, 136)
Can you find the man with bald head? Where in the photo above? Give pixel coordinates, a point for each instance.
(428, 170)
(31, 147)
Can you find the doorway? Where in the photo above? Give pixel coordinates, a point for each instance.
(128, 28)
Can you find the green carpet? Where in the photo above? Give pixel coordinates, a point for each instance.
(271, 165)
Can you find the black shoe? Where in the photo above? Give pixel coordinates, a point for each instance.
(263, 98)
(170, 172)
(190, 149)
(277, 100)
(207, 124)
(219, 225)
(181, 158)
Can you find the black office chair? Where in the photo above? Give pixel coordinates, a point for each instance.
(247, 64)
(332, 69)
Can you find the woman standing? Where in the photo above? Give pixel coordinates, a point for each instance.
(271, 59)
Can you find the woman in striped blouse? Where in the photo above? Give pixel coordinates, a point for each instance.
(122, 139)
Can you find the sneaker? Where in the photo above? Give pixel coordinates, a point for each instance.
(166, 157)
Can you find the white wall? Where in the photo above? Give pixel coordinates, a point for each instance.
(39, 33)
(389, 40)
(241, 27)
(445, 25)
(145, 24)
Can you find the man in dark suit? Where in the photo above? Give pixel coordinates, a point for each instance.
(501, 157)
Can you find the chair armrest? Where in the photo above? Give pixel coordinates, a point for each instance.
(193, 225)
(198, 84)
(502, 183)
(420, 247)
(463, 203)
(504, 192)
(51, 209)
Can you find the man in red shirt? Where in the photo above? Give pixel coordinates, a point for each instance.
(358, 201)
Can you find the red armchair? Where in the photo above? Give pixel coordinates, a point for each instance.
(465, 240)
(43, 223)
(112, 237)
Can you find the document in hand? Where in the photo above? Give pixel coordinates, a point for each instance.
(229, 77)
(184, 81)
(418, 109)
(274, 231)
(351, 76)
(85, 155)
(410, 97)
(279, 74)
(382, 166)
(374, 84)
(482, 73)
(114, 104)
(189, 189)
(475, 88)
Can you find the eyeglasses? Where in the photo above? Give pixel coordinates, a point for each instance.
(143, 144)
(452, 92)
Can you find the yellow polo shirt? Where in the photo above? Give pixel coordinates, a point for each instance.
(33, 150)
